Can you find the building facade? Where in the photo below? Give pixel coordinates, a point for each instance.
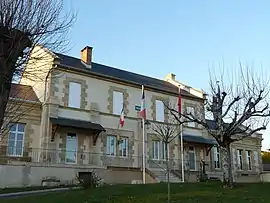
(78, 127)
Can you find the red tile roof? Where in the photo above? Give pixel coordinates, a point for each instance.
(24, 92)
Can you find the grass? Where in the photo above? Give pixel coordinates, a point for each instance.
(156, 193)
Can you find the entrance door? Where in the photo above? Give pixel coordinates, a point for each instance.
(192, 158)
(71, 148)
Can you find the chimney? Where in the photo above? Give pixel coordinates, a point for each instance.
(171, 76)
(86, 55)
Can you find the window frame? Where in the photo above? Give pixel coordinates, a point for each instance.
(71, 96)
(17, 132)
(195, 161)
(159, 112)
(109, 146)
(126, 141)
(115, 106)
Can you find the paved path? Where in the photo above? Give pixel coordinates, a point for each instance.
(34, 192)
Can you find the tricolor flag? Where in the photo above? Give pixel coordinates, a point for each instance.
(143, 110)
(122, 118)
(179, 102)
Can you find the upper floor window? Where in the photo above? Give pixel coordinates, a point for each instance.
(190, 110)
(118, 100)
(240, 158)
(216, 157)
(248, 159)
(123, 147)
(74, 96)
(160, 111)
(16, 139)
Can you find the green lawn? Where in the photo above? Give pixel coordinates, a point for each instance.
(156, 193)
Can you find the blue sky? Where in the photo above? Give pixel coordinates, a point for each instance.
(155, 37)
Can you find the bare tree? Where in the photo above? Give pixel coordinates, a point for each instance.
(237, 110)
(167, 132)
(23, 25)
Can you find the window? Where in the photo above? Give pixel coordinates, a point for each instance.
(163, 150)
(74, 97)
(71, 148)
(190, 110)
(118, 100)
(123, 147)
(249, 159)
(160, 111)
(158, 150)
(192, 158)
(111, 145)
(16, 139)
(240, 159)
(216, 157)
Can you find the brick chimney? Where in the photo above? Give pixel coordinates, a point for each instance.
(86, 55)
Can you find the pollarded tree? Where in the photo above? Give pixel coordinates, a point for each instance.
(24, 24)
(238, 110)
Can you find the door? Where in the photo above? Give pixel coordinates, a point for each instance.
(71, 148)
(192, 158)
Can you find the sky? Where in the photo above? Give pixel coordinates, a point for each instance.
(187, 38)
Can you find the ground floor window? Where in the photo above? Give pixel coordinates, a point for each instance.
(192, 158)
(248, 153)
(158, 150)
(240, 159)
(16, 139)
(216, 157)
(123, 147)
(111, 145)
(71, 148)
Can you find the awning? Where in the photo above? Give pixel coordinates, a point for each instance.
(198, 139)
(77, 124)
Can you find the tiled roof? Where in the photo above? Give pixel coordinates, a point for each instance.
(121, 75)
(24, 92)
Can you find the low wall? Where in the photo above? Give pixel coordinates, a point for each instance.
(31, 175)
(265, 176)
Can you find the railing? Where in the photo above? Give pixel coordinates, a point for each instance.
(81, 158)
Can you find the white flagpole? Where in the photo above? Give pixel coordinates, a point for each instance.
(143, 122)
(182, 153)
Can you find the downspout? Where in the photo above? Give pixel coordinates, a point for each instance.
(44, 102)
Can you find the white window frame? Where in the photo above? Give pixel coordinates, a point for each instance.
(163, 150)
(155, 143)
(16, 132)
(160, 113)
(109, 147)
(75, 92)
(217, 163)
(248, 156)
(124, 141)
(73, 151)
(240, 159)
(191, 109)
(195, 161)
(118, 100)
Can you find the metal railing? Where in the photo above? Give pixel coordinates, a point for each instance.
(82, 158)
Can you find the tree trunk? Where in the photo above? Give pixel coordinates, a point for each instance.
(168, 174)
(227, 166)
(12, 44)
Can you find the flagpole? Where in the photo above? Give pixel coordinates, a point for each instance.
(143, 122)
(182, 153)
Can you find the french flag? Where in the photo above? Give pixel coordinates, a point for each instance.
(143, 110)
(122, 118)
(179, 103)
